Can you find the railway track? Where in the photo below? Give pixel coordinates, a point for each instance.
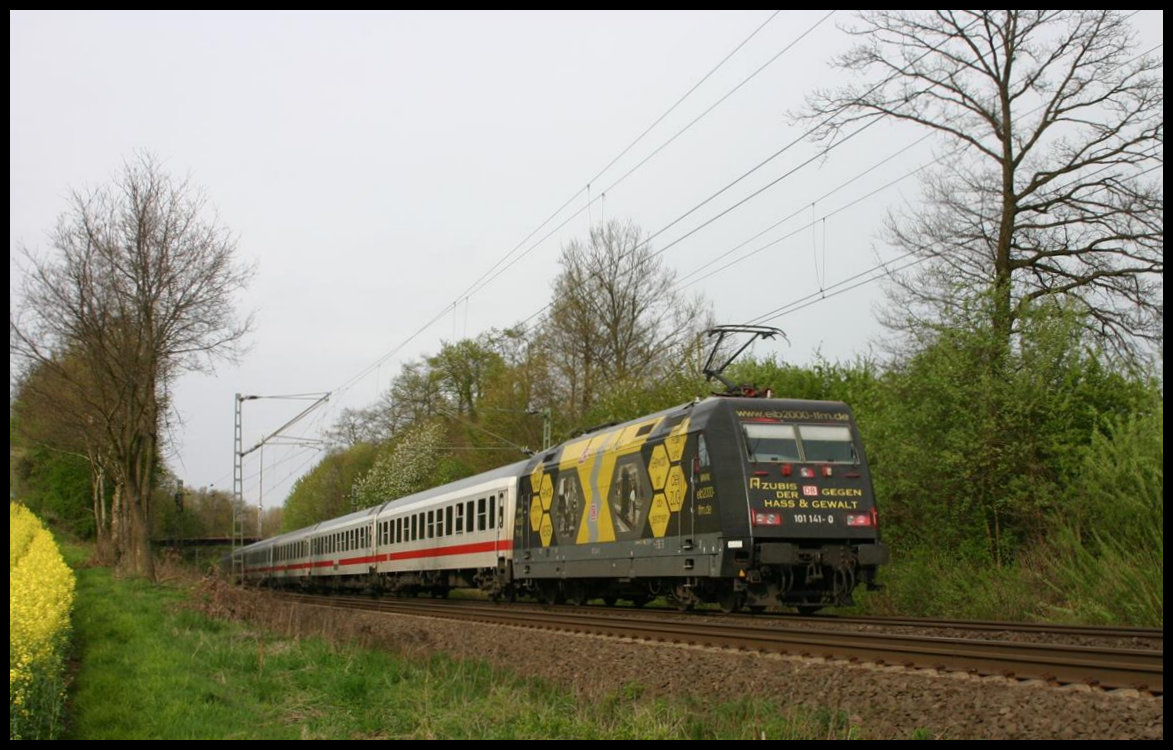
(1109, 668)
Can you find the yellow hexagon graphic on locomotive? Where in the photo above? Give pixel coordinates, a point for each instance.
(675, 442)
(546, 530)
(535, 479)
(658, 467)
(535, 513)
(547, 491)
(676, 488)
(659, 515)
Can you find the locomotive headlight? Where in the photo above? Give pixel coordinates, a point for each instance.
(763, 518)
(859, 519)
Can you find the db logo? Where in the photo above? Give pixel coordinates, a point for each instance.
(810, 490)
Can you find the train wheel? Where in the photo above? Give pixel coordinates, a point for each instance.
(551, 592)
(639, 601)
(683, 598)
(576, 593)
(610, 600)
(808, 609)
(730, 601)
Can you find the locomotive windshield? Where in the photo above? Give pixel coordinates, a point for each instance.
(772, 442)
(777, 443)
(827, 444)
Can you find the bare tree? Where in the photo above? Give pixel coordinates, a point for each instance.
(616, 314)
(140, 288)
(1053, 189)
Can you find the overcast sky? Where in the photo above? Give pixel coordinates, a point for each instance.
(375, 166)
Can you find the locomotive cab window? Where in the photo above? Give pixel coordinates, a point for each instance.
(771, 442)
(829, 444)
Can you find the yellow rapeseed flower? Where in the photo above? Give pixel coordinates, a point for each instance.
(40, 597)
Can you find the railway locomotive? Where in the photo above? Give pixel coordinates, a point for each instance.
(741, 501)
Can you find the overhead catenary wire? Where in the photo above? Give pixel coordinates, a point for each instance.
(661, 148)
(489, 275)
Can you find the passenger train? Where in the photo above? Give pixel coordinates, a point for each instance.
(739, 501)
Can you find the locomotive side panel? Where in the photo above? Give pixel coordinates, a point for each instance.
(639, 500)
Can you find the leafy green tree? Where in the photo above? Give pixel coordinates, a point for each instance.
(327, 491)
(976, 461)
(464, 370)
(413, 462)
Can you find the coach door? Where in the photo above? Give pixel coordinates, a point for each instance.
(497, 520)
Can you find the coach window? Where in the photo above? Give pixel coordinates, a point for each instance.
(448, 521)
(470, 523)
(423, 528)
(492, 511)
(412, 529)
(481, 514)
(460, 518)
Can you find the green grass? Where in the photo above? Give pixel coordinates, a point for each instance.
(1062, 581)
(151, 668)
